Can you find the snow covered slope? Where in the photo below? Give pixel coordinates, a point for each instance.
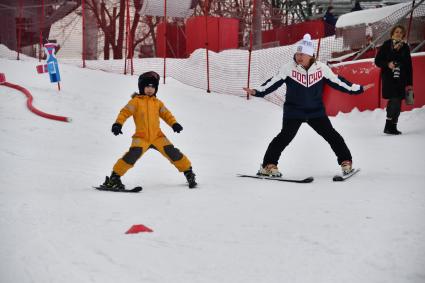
(56, 228)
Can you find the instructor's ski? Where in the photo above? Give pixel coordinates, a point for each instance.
(306, 180)
(133, 190)
(341, 178)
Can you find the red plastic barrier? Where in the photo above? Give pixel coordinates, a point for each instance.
(268, 36)
(364, 73)
(176, 47)
(32, 108)
(293, 33)
(2, 78)
(360, 73)
(222, 33)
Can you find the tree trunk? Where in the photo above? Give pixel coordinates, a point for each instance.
(136, 19)
(121, 27)
(91, 33)
(112, 31)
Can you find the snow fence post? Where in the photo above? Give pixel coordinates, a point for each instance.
(2, 78)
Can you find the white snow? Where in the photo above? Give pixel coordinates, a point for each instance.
(56, 228)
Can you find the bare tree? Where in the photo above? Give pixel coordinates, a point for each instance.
(107, 15)
(90, 33)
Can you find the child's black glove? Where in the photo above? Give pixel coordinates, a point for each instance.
(177, 128)
(116, 129)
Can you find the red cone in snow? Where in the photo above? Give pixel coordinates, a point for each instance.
(138, 228)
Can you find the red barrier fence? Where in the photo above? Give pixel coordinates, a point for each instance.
(176, 41)
(365, 72)
(418, 83)
(361, 73)
(222, 33)
(293, 33)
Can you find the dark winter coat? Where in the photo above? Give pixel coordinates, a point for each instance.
(304, 89)
(329, 18)
(356, 7)
(393, 87)
(330, 21)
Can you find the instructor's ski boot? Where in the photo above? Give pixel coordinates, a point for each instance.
(190, 177)
(269, 170)
(113, 182)
(346, 167)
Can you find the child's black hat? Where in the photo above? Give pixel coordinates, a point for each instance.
(148, 79)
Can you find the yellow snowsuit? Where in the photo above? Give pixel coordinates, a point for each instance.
(146, 111)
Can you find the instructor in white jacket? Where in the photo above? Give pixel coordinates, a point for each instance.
(305, 78)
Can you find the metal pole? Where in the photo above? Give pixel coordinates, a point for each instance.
(410, 22)
(206, 44)
(165, 38)
(127, 24)
(250, 46)
(132, 47)
(83, 53)
(18, 49)
(417, 48)
(318, 48)
(130, 39)
(40, 46)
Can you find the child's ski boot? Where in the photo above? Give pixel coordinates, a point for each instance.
(190, 177)
(113, 183)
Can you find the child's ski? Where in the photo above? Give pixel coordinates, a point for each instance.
(340, 178)
(306, 180)
(133, 190)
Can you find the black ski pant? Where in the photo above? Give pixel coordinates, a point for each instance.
(393, 109)
(290, 128)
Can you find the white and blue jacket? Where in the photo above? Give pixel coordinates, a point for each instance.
(304, 89)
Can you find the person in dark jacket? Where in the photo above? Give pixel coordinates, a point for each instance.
(330, 20)
(357, 7)
(305, 78)
(396, 75)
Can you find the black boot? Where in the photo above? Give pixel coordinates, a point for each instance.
(397, 132)
(190, 177)
(113, 182)
(391, 128)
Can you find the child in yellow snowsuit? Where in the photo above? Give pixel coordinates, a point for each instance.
(146, 110)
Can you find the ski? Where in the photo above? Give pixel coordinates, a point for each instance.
(303, 181)
(133, 190)
(341, 178)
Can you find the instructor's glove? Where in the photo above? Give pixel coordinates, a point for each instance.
(177, 128)
(116, 129)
